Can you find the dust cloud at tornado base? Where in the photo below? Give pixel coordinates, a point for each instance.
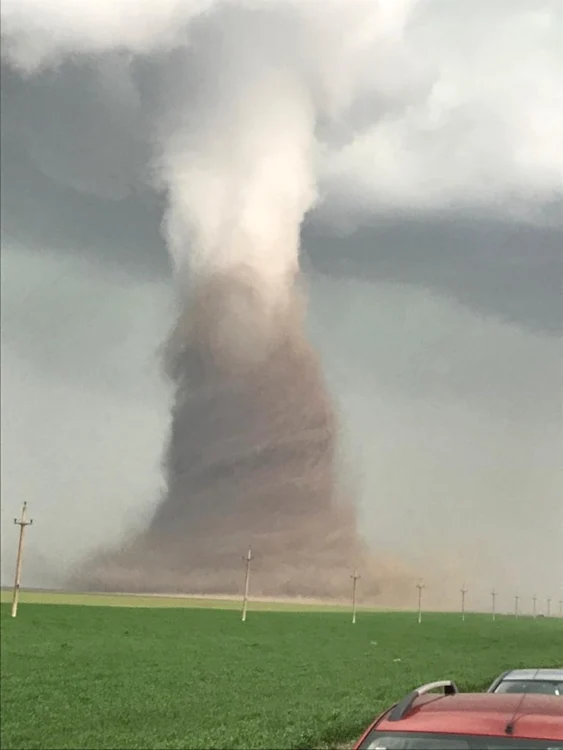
(253, 458)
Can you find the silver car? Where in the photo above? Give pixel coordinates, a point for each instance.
(546, 681)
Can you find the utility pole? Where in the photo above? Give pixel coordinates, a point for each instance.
(420, 586)
(534, 600)
(560, 607)
(516, 600)
(463, 593)
(548, 608)
(494, 598)
(247, 558)
(354, 578)
(22, 523)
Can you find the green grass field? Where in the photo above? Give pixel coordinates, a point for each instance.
(193, 677)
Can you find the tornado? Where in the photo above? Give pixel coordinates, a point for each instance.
(252, 459)
(253, 452)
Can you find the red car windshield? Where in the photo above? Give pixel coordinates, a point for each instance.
(426, 741)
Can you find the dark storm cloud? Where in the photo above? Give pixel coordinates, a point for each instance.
(443, 174)
(512, 270)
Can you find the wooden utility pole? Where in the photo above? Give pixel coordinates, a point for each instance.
(548, 608)
(560, 607)
(534, 600)
(420, 586)
(354, 578)
(247, 558)
(494, 598)
(516, 600)
(22, 522)
(463, 593)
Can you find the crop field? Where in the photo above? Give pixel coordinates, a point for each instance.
(154, 600)
(197, 677)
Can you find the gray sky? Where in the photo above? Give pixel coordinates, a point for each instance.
(436, 304)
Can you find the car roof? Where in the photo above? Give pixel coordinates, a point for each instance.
(533, 716)
(532, 675)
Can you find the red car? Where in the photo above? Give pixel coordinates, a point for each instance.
(467, 721)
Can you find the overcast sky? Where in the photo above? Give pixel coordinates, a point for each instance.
(435, 270)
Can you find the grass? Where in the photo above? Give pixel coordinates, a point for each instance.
(106, 677)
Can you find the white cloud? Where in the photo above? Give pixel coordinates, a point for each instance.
(477, 123)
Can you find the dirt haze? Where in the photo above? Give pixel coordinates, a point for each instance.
(252, 459)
